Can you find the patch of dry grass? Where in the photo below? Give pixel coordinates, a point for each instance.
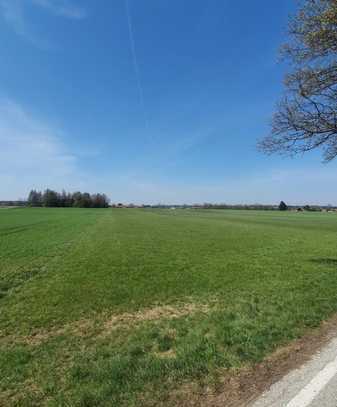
(103, 325)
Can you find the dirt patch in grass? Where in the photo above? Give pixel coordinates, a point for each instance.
(104, 325)
(168, 354)
(14, 397)
(240, 388)
(151, 314)
(82, 327)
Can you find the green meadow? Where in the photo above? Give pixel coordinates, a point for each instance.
(121, 307)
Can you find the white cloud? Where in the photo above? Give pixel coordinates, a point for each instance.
(14, 13)
(61, 8)
(32, 153)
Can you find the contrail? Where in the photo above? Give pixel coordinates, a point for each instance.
(135, 62)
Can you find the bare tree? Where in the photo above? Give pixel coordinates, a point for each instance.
(306, 118)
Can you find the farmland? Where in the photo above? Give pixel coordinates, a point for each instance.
(119, 307)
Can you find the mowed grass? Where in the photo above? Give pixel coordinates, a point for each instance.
(116, 307)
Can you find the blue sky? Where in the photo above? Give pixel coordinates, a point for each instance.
(148, 101)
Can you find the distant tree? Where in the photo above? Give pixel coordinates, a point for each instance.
(50, 198)
(31, 198)
(63, 198)
(306, 118)
(86, 200)
(78, 199)
(34, 198)
(69, 200)
(283, 206)
(99, 201)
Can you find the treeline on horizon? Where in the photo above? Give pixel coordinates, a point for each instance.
(50, 198)
(282, 206)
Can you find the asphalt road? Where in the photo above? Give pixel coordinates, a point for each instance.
(312, 385)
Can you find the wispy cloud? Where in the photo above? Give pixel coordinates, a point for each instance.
(32, 153)
(14, 12)
(62, 8)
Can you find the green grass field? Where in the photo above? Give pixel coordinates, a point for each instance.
(117, 307)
